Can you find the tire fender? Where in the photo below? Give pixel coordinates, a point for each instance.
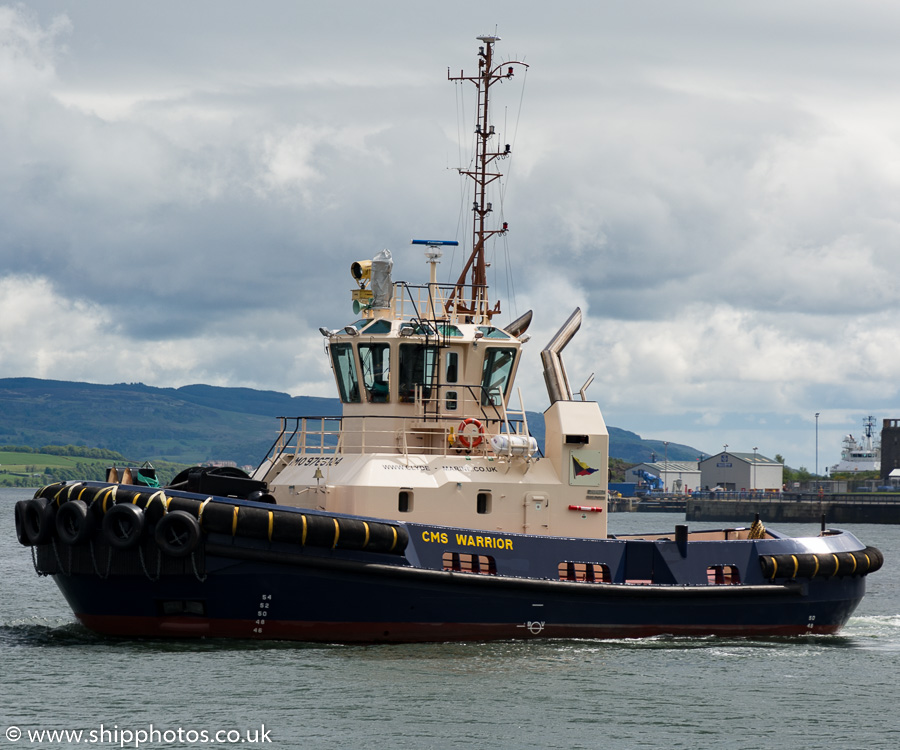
(74, 522)
(38, 520)
(123, 525)
(177, 534)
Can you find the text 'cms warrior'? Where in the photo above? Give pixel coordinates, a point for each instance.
(426, 512)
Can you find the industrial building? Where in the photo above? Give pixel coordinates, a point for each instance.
(890, 447)
(741, 471)
(674, 477)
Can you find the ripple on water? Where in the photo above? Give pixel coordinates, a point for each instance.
(880, 632)
(43, 632)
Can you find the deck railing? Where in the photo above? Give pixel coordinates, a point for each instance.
(323, 436)
(431, 301)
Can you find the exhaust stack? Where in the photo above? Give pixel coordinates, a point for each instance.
(554, 370)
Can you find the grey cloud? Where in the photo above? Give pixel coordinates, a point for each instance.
(192, 180)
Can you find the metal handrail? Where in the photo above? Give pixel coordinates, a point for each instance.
(306, 438)
(432, 298)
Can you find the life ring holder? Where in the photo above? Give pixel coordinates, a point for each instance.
(464, 440)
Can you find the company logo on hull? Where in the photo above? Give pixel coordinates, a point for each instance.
(468, 540)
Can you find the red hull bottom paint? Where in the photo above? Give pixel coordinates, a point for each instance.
(416, 632)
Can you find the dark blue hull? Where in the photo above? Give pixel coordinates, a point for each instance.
(264, 600)
(313, 598)
(417, 583)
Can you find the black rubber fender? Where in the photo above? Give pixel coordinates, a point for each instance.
(67, 493)
(384, 537)
(189, 505)
(254, 523)
(289, 527)
(847, 564)
(49, 491)
(123, 526)
(39, 521)
(21, 533)
(154, 507)
(218, 518)
(807, 566)
(149, 507)
(87, 494)
(74, 522)
(177, 534)
(105, 498)
(353, 534)
(134, 497)
(873, 559)
(321, 531)
(821, 565)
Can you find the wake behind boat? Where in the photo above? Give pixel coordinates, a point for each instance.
(427, 511)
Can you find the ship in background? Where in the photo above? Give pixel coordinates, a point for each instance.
(858, 456)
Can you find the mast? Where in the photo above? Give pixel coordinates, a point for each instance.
(476, 306)
(869, 425)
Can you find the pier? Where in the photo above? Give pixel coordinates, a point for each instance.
(846, 508)
(655, 504)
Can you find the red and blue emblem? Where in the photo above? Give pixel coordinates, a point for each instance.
(580, 468)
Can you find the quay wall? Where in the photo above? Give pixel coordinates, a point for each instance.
(622, 504)
(836, 509)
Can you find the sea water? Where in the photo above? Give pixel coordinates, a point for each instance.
(819, 692)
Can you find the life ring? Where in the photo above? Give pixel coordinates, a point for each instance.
(123, 525)
(74, 522)
(177, 534)
(464, 439)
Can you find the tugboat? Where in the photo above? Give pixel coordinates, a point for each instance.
(427, 511)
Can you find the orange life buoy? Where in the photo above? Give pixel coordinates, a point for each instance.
(464, 439)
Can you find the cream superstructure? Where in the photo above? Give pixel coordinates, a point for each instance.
(427, 434)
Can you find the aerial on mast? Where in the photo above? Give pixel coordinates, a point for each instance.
(474, 272)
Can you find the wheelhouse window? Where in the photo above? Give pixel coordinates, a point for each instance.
(379, 326)
(490, 332)
(375, 361)
(418, 363)
(446, 329)
(451, 367)
(405, 501)
(495, 376)
(345, 372)
(451, 375)
(440, 329)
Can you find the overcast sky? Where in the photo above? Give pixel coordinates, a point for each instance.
(183, 187)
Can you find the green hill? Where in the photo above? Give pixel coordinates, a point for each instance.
(22, 466)
(194, 423)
